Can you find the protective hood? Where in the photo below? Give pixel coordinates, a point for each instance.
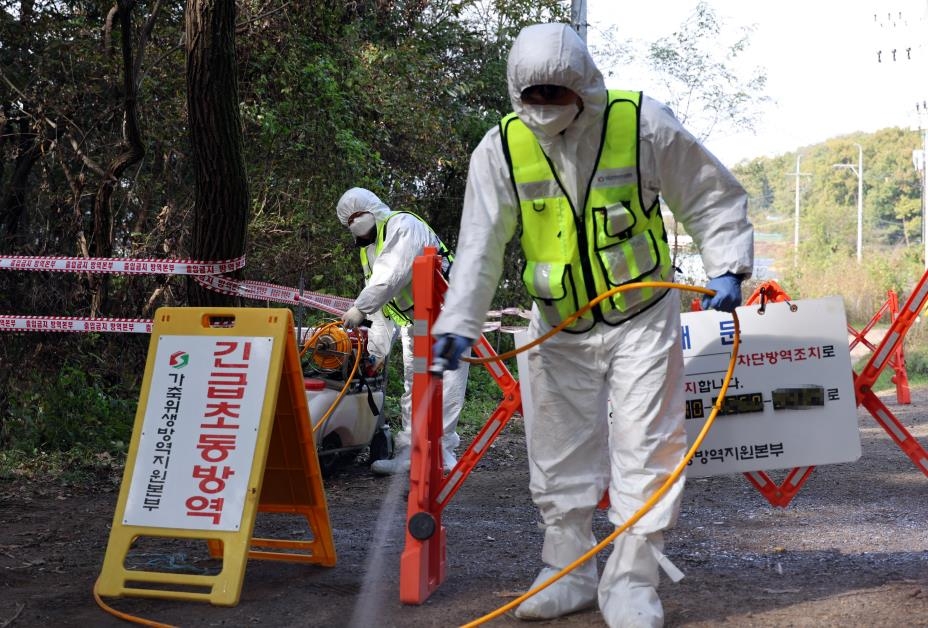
(554, 54)
(360, 200)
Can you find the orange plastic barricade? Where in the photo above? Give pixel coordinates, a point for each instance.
(897, 361)
(422, 564)
(884, 353)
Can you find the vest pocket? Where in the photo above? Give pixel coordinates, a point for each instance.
(400, 308)
(403, 301)
(637, 259)
(613, 224)
(551, 286)
(400, 317)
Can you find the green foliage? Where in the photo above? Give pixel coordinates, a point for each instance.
(483, 393)
(394, 375)
(389, 96)
(915, 354)
(916, 366)
(864, 286)
(71, 411)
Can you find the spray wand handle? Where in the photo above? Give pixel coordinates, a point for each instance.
(438, 365)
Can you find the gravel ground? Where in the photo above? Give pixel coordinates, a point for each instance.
(851, 549)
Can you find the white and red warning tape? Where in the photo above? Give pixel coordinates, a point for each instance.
(205, 273)
(492, 325)
(119, 266)
(74, 323)
(263, 291)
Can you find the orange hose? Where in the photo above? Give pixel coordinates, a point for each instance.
(125, 616)
(341, 393)
(583, 310)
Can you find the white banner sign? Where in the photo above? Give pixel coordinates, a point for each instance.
(197, 443)
(791, 401)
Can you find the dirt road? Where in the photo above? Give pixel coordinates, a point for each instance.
(850, 550)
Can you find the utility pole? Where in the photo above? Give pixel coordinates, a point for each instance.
(859, 171)
(578, 17)
(921, 163)
(797, 174)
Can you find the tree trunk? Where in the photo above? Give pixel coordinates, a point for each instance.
(133, 153)
(13, 197)
(221, 199)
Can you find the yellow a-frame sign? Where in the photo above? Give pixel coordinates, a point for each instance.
(222, 432)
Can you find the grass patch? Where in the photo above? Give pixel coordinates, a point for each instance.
(916, 364)
(77, 467)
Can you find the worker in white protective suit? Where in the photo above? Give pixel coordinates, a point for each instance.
(390, 242)
(578, 169)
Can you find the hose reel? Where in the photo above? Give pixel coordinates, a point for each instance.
(328, 349)
(331, 350)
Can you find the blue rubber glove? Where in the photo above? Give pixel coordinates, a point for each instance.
(447, 351)
(727, 293)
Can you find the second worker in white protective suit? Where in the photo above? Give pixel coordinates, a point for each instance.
(390, 242)
(578, 169)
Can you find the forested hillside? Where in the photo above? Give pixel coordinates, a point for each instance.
(825, 263)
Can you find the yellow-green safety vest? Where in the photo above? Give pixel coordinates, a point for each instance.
(569, 258)
(399, 309)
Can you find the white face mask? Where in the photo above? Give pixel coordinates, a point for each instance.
(362, 225)
(549, 120)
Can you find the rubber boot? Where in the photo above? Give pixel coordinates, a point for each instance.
(628, 587)
(576, 591)
(399, 463)
(448, 459)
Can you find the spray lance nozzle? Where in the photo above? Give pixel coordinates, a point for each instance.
(443, 354)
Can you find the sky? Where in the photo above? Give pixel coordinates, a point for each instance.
(820, 57)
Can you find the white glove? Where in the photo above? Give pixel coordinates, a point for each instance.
(353, 318)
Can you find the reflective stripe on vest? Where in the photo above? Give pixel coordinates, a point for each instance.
(571, 259)
(399, 309)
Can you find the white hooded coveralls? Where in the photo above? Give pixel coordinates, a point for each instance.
(405, 239)
(575, 451)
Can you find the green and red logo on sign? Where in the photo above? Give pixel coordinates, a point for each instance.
(179, 359)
